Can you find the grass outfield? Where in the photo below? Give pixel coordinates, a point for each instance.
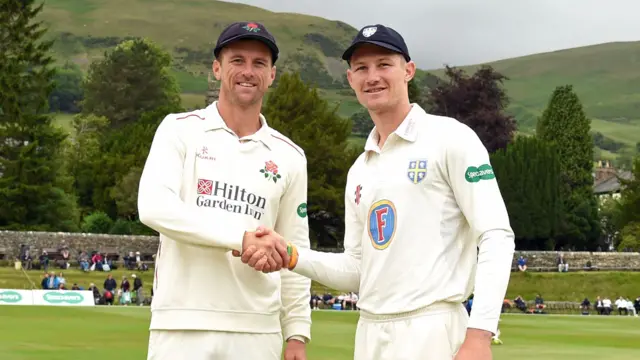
(572, 286)
(121, 333)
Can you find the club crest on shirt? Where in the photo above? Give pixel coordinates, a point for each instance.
(270, 171)
(382, 223)
(417, 170)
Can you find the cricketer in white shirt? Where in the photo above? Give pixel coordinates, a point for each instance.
(425, 223)
(201, 189)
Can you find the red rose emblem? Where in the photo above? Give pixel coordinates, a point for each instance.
(271, 167)
(252, 26)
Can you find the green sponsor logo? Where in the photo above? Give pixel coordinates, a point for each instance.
(60, 298)
(10, 297)
(482, 172)
(302, 210)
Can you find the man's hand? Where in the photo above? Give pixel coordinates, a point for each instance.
(295, 350)
(476, 346)
(264, 250)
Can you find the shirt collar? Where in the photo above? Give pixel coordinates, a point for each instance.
(407, 130)
(214, 121)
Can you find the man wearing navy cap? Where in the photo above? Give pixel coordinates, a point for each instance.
(212, 177)
(426, 224)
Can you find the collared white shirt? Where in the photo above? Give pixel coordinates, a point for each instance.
(416, 212)
(201, 189)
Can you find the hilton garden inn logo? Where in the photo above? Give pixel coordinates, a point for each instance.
(61, 298)
(10, 297)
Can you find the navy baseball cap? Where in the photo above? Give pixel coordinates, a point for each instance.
(379, 35)
(247, 30)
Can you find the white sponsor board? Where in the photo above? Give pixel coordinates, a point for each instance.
(63, 298)
(46, 297)
(16, 297)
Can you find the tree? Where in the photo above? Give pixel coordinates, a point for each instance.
(630, 197)
(132, 79)
(477, 101)
(609, 213)
(626, 211)
(67, 94)
(124, 151)
(361, 123)
(298, 112)
(84, 157)
(32, 179)
(564, 124)
(528, 173)
(415, 94)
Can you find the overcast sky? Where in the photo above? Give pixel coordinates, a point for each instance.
(465, 32)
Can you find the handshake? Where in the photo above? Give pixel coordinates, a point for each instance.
(265, 250)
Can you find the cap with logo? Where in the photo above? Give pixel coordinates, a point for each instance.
(247, 30)
(379, 35)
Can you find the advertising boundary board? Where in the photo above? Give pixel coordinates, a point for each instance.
(46, 297)
(16, 297)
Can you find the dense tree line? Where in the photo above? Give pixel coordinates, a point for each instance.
(87, 180)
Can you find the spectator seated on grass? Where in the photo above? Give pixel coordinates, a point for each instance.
(628, 304)
(585, 306)
(520, 304)
(44, 260)
(130, 261)
(606, 306)
(65, 256)
(539, 309)
(563, 266)
(84, 261)
(621, 306)
(522, 263)
(599, 305)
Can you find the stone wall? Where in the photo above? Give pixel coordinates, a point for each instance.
(10, 242)
(547, 259)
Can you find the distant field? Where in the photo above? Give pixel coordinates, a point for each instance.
(627, 132)
(64, 121)
(192, 101)
(35, 333)
(347, 100)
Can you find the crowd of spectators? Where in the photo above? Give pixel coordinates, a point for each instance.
(128, 292)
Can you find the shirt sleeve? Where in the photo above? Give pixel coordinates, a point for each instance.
(477, 193)
(292, 223)
(337, 271)
(159, 203)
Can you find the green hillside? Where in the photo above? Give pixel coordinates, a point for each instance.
(189, 28)
(606, 77)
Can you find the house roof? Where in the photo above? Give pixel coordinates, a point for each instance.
(611, 184)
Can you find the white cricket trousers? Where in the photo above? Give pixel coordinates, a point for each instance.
(213, 345)
(432, 333)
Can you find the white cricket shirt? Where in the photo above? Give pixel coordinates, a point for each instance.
(201, 189)
(416, 212)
